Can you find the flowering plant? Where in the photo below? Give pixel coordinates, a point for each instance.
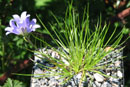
(80, 47)
(21, 25)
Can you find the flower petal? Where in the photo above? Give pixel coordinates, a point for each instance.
(27, 21)
(9, 30)
(16, 18)
(17, 31)
(12, 23)
(28, 15)
(7, 33)
(33, 21)
(29, 30)
(23, 15)
(35, 26)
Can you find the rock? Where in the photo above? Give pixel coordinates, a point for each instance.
(114, 55)
(115, 85)
(53, 54)
(97, 84)
(94, 85)
(79, 76)
(38, 71)
(115, 80)
(105, 84)
(108, 74)
(117, 63)
(98, 77)
(37, 85)
(69, 86)
(119, 74)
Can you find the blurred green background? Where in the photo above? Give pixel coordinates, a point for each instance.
(13, 48)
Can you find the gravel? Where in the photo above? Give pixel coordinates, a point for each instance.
(115, 70)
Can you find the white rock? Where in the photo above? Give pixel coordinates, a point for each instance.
(115, 85)
(114, 79)
(108, 74)
(46, 80)
(79, 76)
(69, 86)
(97, 83)
(38, 71)
(98, 77)
(106, 84)
(119, 74)
(94, 85)
(32, 85)
(117, 63)
(122, 85)
(53, 54)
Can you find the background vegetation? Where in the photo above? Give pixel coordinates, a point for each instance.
(13, 48)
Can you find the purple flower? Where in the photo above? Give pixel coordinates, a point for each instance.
(21, 25)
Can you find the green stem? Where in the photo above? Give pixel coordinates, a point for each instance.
(27, 39)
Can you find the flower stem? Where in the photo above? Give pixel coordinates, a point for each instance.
(27, 39)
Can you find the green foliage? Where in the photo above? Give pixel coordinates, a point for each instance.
(126, 30)
(128, 5)
(81, 47)
(13, 83)
(11, 49)
(40, 3)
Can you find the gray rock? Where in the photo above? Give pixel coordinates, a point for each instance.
(114, 80)
(117, 63)
(115, 85)
(97, 84)
(119, 74)
(106, 84)
(98, 77)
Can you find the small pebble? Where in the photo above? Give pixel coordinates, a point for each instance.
(97, 84)
(119, 74)
(115, 85)
(115, 80)
(117, 63)
(105, 84)
(98, 77)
